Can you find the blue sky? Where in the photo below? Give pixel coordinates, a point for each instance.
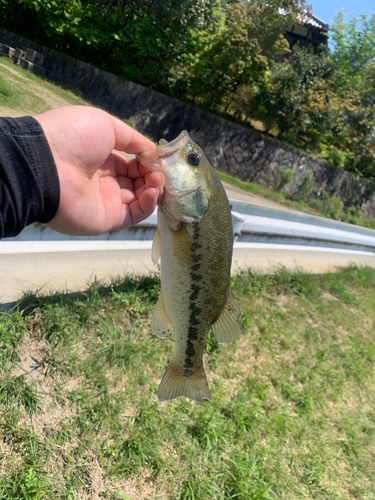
(326, 9)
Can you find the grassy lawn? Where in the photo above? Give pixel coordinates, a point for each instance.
(22, 90)
(292, 415)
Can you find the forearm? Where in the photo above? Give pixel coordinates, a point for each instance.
(29, 184)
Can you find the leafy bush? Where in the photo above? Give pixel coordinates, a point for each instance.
(306, 185)
(336, 156)
(334, 208)
(285, 175)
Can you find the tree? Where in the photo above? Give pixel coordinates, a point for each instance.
(140, 40)
(354, 43)
(154, 37)
(354, 62)
(236, 49)
(297, 98)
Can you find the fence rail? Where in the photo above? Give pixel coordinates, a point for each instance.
(252, 224)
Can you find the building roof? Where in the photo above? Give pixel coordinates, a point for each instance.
(311, 20)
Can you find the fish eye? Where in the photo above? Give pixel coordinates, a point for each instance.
(194, 159)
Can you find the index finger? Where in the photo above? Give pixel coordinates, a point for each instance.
(129, 140)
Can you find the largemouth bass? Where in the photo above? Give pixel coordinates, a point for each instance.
(194, 240)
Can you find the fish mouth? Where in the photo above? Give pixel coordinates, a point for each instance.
(152, 160)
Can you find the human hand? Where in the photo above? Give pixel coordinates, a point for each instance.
(101, 189)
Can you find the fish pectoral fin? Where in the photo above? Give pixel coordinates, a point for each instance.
(156, 247)
(160, 324)
(229, 325)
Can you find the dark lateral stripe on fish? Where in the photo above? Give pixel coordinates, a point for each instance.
(195, 292)
(193, 308)
(196, 245)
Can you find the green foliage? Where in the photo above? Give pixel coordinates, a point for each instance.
(9, 93)
(234, 50)
(23, 91)
(12, 331)
(202, 46)
(25, 484)
(219, 54)
(70, 23)
(18, 391)
(306, 184)
(334, 208)
(154, 36)
(353, 63)
(354, 44)
(285, 176)
(335, 156)
(298, 98)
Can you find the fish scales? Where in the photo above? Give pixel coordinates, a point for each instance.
(195, 241)
(195, 290)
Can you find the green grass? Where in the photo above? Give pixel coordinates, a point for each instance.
(331, 207)
(22, 90)
(292, 415)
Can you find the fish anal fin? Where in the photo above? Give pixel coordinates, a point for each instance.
(175, 385)
(160, 324)
(156, 247)
(229, 325)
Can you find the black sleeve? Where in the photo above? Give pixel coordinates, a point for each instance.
(29, 184)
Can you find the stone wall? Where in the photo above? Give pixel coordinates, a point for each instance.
(230, 147)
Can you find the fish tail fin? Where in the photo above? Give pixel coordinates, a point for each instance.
(175, 385)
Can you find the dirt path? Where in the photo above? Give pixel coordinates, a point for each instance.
(14, 71)
(51, 99)
(11, 112)
(236, 193)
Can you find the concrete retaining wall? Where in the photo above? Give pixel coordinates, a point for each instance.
(232, 148)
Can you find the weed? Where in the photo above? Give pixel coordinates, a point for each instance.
(17, 391)
(7, 90)
(285, 176)
(12, 330)
(336, 286)
(306, 184)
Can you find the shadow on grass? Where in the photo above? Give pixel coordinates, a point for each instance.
(246, 282)
(98, 288)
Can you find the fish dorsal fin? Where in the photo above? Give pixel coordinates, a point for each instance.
(156, 247)
(160, 324)
(228, 327)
